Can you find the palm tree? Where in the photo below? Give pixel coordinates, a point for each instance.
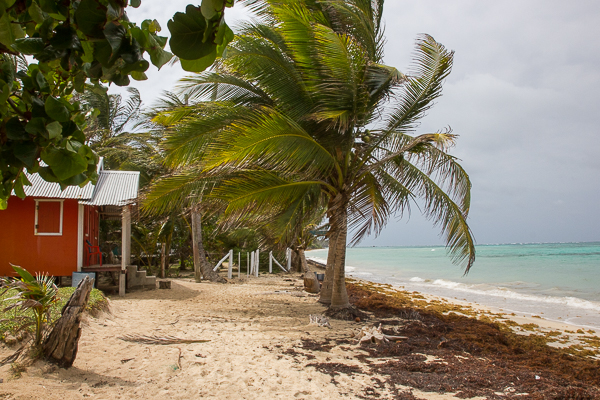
(302, 109)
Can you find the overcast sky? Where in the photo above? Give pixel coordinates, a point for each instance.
(524, 96)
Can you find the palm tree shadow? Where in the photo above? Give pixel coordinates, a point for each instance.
(73, 377)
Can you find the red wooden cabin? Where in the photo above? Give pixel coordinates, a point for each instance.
(47, 231)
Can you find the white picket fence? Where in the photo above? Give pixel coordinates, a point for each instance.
(253, 263)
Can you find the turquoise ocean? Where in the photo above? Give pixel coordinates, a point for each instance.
(557, 281)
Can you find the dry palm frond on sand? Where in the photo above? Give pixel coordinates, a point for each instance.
(159, 339)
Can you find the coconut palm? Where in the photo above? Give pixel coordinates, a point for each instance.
(303, 110)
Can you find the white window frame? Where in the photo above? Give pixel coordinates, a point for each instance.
(35, 226)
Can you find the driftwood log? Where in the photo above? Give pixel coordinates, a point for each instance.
(375, 335)
(61, 344)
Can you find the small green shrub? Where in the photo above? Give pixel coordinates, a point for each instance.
(16, 319)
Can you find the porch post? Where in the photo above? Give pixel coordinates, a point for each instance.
(80, 239)
(126, 246)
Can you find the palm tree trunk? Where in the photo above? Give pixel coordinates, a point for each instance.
(338, 221)
(163, 259)
(302, 257)
(202, 268)
(326, 289)
(339, 296)
(295, 254)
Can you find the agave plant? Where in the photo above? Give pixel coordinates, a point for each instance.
(37, 294)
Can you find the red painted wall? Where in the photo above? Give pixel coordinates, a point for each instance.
(54, 255)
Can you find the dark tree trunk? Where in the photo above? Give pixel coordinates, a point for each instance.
(61, 344)
(202, 268)
(303, 263)
(164, 258)
(296, 264)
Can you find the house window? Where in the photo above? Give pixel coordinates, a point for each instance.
(48, 217)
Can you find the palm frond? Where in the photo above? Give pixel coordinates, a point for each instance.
(444, 212)
(268, 139)
(423, 85)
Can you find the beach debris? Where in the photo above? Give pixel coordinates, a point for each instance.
(311, 284)
(125, 360)
(375, 335)
(319, 320)
(179, 358)
(159, 340)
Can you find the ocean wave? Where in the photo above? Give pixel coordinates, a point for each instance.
(359, 274)
(416, 279)
(498, 291)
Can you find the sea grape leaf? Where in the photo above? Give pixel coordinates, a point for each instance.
(15, 129)
(27, 152)
(54, 129)
(208, 8)
(65, 38)
(36, 126)
(114, 33)
(91, 17)
(18, 188)
(200, 64)
(56, 110)
(29, 46)
(75, 180)
(139, 76)
(35, 12)
(64, 163)
(9, 32)
(187, 34)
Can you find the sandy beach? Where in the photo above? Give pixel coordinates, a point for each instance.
(261, 346)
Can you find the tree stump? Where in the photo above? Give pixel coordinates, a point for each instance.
(164, 284)
(61, 344)
(311, 285)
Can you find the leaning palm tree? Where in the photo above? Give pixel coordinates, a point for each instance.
(302, 107)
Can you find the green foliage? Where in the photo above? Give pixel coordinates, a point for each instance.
(75, 42)
(200, 35)
(15, 320)
(301, 114)
(36, 294)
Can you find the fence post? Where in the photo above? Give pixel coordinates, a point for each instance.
(239, 263)
(289, 259)
(257, 262)
(270, 262)
(230, 267)
(247, 263)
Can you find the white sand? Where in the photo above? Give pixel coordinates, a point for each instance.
(250, 324)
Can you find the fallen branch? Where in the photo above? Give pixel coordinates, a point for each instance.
(159, 340)
(375, 335)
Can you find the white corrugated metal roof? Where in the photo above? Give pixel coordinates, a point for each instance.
(41, 188)
(115, 188)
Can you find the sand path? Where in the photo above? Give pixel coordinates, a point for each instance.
(252, 325)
